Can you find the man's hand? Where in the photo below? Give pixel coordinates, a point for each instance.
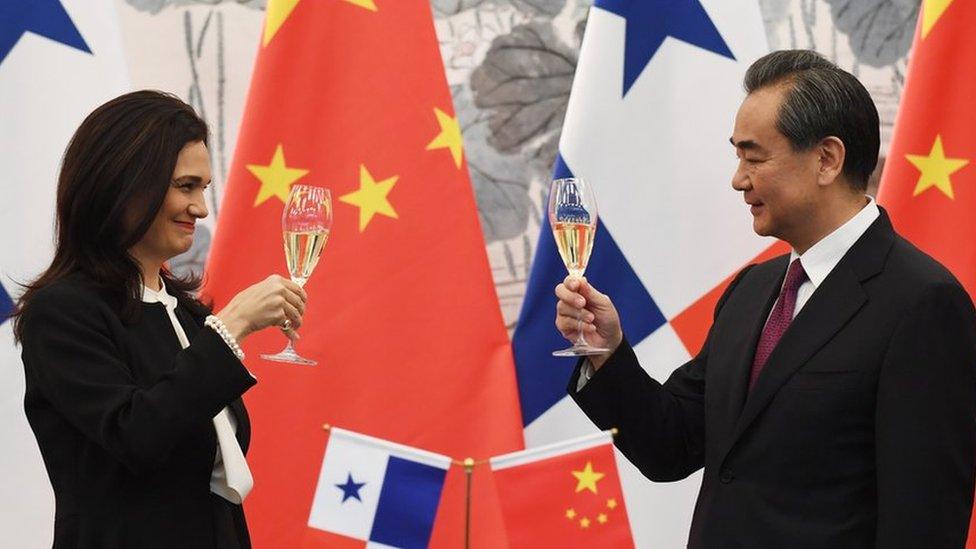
(600, 321)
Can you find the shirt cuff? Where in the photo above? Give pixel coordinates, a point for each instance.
(586, 372)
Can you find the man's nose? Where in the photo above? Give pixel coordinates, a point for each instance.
(740, 181)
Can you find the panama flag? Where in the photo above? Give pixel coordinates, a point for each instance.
(59, 59)
(375, 493)
(648, 125)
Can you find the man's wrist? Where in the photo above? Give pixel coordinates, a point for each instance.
(597, 361)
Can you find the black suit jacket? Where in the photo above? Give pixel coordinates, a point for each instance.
(123, 418)
(860, 431)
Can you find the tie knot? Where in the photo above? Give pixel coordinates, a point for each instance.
(795, 276)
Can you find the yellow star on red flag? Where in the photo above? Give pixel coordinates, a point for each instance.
(450, 136)
(277, 13)
(587, 478)
(368, 4)
(276, 178)
(932, 11)
(371, 198)
(936, 169)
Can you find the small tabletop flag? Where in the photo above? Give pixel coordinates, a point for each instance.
(376, 492)
(563, 495)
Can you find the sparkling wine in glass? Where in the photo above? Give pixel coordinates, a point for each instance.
(305, 222)
(572, 215)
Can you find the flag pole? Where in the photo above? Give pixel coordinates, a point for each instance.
(468, 470)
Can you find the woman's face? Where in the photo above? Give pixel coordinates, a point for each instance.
(171, 232)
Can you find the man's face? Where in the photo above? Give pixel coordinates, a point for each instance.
(778, 183)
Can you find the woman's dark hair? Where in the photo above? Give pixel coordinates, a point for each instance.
(114, 177)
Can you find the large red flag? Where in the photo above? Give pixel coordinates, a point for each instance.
(402, 314)
(929, 182)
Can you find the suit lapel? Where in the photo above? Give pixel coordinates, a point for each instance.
(830, 307)
(827, 311)
(742, 344)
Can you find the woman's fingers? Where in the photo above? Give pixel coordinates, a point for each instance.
(290, 312)
(294, 299)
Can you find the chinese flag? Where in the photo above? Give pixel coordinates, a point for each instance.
(402, 314)
(929, 181)
(566, 495)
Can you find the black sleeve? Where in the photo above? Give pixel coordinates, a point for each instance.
(661, 427)
(926, 424)
(71, 358)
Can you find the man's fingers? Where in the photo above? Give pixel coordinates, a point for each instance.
(568, 327)
(573, 311)
(572, 282)
(568, 296)
(562, 309)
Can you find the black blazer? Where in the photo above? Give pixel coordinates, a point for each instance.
(860, 431)
(123, 418)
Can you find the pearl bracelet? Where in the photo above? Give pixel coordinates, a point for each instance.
(213, 322)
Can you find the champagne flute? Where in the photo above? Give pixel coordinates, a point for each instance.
(572, 215)
(305, 222)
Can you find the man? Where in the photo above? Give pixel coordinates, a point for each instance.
(834, 401)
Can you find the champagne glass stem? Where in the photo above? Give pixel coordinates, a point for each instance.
(289, 348)
(580, 338)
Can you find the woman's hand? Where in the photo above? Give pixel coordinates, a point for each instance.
(268, 303)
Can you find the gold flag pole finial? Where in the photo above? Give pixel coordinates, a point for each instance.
(468, 470)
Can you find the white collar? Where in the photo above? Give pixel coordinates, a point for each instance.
(162, 296)
(823, 256)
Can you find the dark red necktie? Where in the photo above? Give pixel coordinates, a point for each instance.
(779, 319)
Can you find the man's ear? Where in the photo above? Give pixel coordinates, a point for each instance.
(832, 154)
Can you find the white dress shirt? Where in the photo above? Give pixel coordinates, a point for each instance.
(231, 478)
(823, 256)
(818, 262)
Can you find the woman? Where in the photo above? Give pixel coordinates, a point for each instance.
(133, 387)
